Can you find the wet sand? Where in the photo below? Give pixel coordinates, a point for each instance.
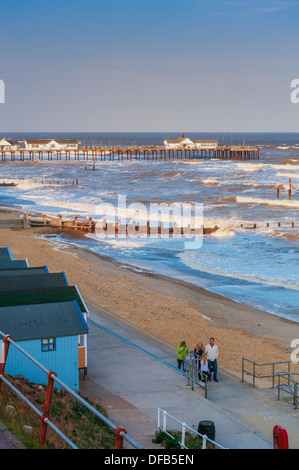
(170, 309)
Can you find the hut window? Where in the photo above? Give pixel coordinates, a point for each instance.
(48, 344)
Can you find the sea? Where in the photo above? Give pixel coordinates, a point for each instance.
(253, 257)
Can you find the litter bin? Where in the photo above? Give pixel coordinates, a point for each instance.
(207, 428)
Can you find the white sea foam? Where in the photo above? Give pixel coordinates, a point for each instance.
(210, 181)
(191, 162)
(126, 243)
(223, 233)
(252, 167)
(65, 207)
(285, 147)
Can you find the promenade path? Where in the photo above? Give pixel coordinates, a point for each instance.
(132, 374)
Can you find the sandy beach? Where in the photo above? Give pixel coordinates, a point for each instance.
(170, 309)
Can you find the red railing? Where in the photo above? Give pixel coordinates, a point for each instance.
(119, 431)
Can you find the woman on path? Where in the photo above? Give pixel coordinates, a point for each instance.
(182, 350)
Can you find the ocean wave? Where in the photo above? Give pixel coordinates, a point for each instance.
(115, 241)
(191, 162)
(288, 175)
(291, 160)
(65, 207)
(291, 147)
(191, 260)
(223, 233)
(271, 202)
(252, 167)
(24, 184)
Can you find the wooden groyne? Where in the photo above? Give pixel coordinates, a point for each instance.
(111, 229)
(133, 228)
(137, 153)
(60, 223)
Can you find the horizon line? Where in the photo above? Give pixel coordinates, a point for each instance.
(153, 132)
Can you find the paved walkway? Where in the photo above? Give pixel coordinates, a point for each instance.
(133, 374)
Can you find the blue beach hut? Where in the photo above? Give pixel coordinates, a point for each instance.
(47, 332)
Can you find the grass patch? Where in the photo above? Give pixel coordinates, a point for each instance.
(192, 441)
(71, 417)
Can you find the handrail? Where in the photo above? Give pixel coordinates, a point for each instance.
(184, 426)
(119, 431)
(255, 364)
(279, 386)
(192, 373)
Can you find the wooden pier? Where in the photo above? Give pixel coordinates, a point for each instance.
(137, 153)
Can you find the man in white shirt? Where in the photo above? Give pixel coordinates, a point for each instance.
(212, 353)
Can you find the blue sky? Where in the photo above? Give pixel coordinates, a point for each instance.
(163, 65)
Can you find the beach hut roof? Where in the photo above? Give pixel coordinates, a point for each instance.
(52, 320)
(32, 282)
(5, 254)
(13, 264)
(66, 294)
(22, 271)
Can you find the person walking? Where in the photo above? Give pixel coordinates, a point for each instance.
(182, 350)
(212, 354)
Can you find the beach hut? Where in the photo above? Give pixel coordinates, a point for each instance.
(48, 332)
(31, 296)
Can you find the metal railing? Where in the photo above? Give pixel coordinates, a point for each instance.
(119, 431)
(194, 374)
(183, 428)
(291, 387)
(255, 366)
